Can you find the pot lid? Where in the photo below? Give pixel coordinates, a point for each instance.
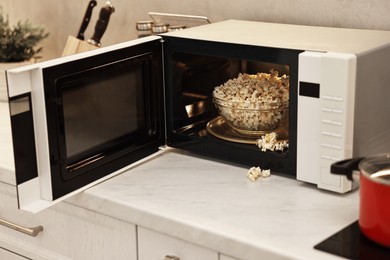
(377, 168)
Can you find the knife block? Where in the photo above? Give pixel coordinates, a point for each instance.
(74, 45)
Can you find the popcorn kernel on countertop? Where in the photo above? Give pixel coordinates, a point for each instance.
(256, 172)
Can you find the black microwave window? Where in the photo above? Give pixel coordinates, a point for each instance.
(102, 110)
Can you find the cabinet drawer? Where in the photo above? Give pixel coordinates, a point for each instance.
(5, 254)
(156, 246)
(69, 232)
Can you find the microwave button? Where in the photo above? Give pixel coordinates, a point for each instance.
(332, 134)
(331, 122)
(338, 111)
(331, 146)
(333, 98)
(332, 158)
(332, 110)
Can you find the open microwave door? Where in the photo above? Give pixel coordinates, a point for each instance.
(81, 119)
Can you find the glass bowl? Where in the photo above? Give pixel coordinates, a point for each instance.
(253, 118)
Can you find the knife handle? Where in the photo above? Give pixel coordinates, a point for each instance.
(101, 24)
(86, 19)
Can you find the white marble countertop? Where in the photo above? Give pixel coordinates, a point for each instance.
(213, 204)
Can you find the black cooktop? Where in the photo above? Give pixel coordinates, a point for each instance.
(352, 244)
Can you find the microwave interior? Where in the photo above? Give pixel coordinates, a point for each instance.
(193, 69)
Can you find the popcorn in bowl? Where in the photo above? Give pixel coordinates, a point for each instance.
(253, 103)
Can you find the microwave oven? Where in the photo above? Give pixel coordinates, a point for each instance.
(79, 119)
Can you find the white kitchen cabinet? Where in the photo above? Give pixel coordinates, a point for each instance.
(225, 257)
(8, 255)
(156, 246)
(69, 232)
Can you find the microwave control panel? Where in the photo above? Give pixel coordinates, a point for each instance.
(325, 117)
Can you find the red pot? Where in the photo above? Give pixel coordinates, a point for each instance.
(374, 178)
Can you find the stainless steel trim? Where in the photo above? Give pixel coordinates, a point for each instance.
(81, 164)
(154, 16)
(177, 27)
(160, 28)
(144, 25)
(31, 231)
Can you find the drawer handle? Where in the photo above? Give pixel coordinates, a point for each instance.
(171, 257)
(31, 231)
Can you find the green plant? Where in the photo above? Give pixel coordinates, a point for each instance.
(18, 43)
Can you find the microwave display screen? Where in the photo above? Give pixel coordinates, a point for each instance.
(101, 110)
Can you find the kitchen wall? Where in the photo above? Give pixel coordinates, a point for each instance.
(63, 18)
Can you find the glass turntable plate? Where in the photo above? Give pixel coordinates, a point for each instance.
(220, 129)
